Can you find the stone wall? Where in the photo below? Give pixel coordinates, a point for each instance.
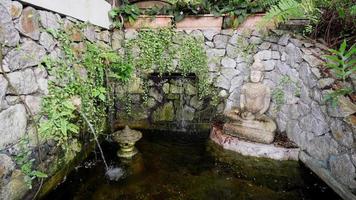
(295, 72)
(293, 69)
(25, 41)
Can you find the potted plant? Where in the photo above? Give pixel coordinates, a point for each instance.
(147, 4)
(129, 16)
(197, 15)
(237, 11)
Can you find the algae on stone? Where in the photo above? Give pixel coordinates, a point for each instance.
(135, 86)
(164, 113)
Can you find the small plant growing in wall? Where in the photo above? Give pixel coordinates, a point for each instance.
(25, 162)
(245, 48)
(278, 97)
(278, 94)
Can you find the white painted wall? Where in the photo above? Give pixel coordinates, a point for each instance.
(94, 11)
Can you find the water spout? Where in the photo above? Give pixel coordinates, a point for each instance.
(95, 138)
(183, 122)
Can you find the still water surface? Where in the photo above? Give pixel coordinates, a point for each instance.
(180, 166)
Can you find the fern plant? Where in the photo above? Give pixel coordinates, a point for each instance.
(342, 61)
(283, 10)
(267, 3)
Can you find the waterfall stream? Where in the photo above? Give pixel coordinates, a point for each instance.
(95, 138)
(183, 122)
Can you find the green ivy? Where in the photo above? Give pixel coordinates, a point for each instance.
(167, 51)
(156, 50)
(72, 91)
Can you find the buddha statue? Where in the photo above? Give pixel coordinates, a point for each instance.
(249, 121)
(255, 97)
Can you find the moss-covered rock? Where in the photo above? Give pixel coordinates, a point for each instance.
(172, 96)
(165, 88)
(164, 113)
(150, 103)
(277, 175)
(185, 113)
(16, 188)
(175, 89)
(190, 89)
(135, 86)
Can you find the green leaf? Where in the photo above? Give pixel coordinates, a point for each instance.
(332, 66)
(332, 58)
(113, 14)
(341, 12)
(334, 51)
(102, 97)
(131, 19)
(353, 10)
(179, 17)
(39, 174)
(351, 51)
(73, 128)
(342, 47)
(351, 63)
(69, 105)
(63, 127)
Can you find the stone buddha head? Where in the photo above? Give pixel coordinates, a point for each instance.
(256, 74)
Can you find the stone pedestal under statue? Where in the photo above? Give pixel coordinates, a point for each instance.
(261, 130)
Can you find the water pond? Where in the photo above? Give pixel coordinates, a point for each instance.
(182, 166)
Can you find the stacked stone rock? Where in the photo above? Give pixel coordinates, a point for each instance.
(25, 41)
(325, 134)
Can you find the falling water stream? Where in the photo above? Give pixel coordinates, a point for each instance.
(96, 139)
(183, 122)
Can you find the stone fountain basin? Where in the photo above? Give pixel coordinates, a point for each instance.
(247, 148)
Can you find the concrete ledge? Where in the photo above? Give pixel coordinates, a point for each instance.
(93, 11)
(253, 149)
(325, 175)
